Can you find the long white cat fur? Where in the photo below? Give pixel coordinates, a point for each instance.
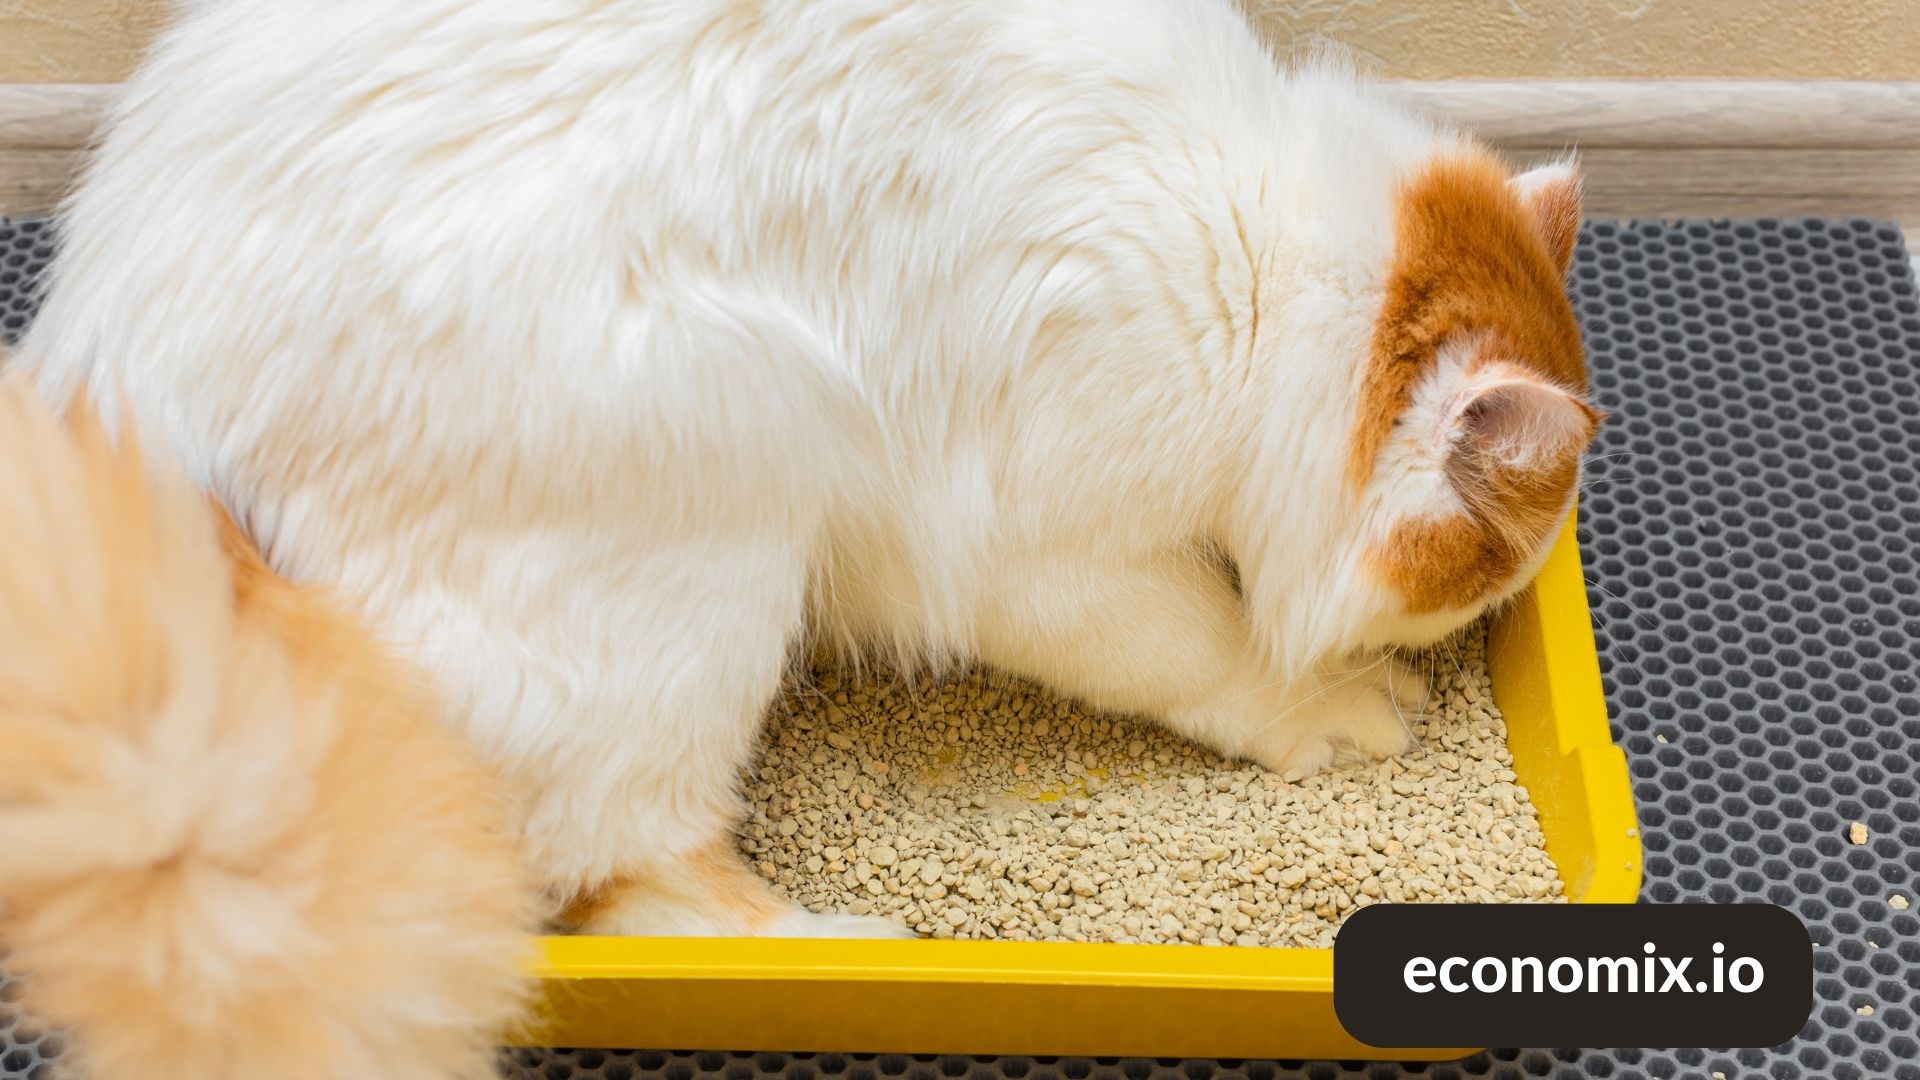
(602, 350)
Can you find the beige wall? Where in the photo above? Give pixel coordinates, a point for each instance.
(99, 40)
(1633, 39)
(74, 40)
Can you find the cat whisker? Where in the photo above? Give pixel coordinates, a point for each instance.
(1627, 667)
(1454, 655)
(1617, 455)
(1279, 682)
(1330, 687)
(1400, 714)
(1598, 482)
(1622, 601)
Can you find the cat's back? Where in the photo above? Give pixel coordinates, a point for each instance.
(439, 230)
(291, 156)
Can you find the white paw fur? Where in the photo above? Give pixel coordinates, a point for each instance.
(1343, 718)
(801, 923)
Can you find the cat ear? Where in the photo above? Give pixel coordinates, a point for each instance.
(1519, 423)
(1551, 196)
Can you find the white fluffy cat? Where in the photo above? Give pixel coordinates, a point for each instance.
(605, 349)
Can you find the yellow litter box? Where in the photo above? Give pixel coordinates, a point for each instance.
(1046, 998)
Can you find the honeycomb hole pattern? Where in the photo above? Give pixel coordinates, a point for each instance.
(1750, 521)
(25, 248)
(1751, 530)
(27, 1052)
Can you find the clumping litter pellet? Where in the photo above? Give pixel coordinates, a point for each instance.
(983, 806)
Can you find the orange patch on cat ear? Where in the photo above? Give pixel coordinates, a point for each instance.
(1470, 257)
(1515, 457)
(1482, 257)
(1551, 193)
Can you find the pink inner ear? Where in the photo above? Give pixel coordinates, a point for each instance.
(1522, 422)
(1551, 195)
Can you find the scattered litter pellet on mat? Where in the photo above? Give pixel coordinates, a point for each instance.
(1897, 902)
(1857, 832)
(981, 806)
(1864, 1010)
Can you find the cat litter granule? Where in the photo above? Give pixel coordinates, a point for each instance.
(982, 806)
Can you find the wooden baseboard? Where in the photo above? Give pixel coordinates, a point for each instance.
(1650, 148)
(44, 130)
(1684, 148)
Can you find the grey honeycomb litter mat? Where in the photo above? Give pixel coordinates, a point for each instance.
(1751, 529)
(25, 248)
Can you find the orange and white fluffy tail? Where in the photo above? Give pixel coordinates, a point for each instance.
(234, 840)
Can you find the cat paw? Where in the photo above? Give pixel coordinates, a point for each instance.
(1344, 720)
(1374, 724)
(1405, 687)
(801, 923)
(1292, 749)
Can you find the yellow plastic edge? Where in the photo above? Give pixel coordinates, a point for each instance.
(1546, 681)
(983, 997)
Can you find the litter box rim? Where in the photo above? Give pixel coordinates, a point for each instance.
(1102, 999)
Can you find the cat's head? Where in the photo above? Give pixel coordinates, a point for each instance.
(1472, 414)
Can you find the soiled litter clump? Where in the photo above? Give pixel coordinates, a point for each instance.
(985, 807)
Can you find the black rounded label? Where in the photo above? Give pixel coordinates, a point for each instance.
(1573, 975)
